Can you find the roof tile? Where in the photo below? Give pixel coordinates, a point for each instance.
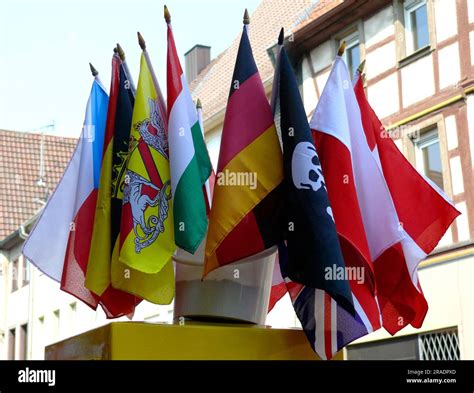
(20, 165)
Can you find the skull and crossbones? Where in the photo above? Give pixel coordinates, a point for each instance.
(305, 167)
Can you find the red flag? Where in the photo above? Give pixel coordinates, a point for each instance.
(425, 214)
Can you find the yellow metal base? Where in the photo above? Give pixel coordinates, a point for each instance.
(191, 341)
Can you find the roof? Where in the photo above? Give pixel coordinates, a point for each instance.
(213, 83)
(319, 9)
(328, 18)
(20, 164)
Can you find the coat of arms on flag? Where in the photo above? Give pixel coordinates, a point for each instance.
(141, 193)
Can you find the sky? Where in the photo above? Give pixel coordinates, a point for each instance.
(46, 47)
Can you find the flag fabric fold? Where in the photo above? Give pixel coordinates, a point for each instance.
(242, 220)
(335, 307)
(109, 203)
(190, 165)
(312, 241)
(208, 188)
(146, 230)
(60, 241)
(425, 214)
(141, 258)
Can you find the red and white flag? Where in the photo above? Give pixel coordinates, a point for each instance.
(59, 243)
(424, 213)
(364, 213)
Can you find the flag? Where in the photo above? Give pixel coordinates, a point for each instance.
(109, 200)
(334, 304)
(243, 219)
(426, 214)
(189, 160)
(208, 188)
(312, 241)
(328, 326)
(60, 241)
(141, 258)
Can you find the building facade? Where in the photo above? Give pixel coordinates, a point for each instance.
(34, 312)
(419, 78)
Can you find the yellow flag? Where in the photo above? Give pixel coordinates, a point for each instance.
(157, 288)
(141, 261)
(146, 230)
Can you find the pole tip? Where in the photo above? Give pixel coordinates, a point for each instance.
(198, 104)
(246, 17)
(281, 36)
(167, 15)
(120, 52)
(342, 48)
(93, 70)
(361, 67)
(141, 41)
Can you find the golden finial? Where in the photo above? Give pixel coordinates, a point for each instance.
(342, 48)
(167, 15)
(198, 104)
(246, 17)
(93, 70)
(361, 67)
(120, 52)
(141, 41)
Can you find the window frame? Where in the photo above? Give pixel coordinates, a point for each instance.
(427, 139)
(409, 7)
(352, 39)
(15, 275)
(26, 272)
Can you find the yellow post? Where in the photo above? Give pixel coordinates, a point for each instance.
(190, 341)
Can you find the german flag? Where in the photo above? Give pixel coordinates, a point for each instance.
(243, 217)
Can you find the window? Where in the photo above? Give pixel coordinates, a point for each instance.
(23, 342)
(26, 272)
(428, 157)
(15, 271)
(443, 345)
(416, 25)
(11, 344)
(352, 53)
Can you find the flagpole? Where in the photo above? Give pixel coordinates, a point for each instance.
(121, 54)
(95, 74)
(201, 124)
(161, 100)
(360, 70)
(341, 49)
(276, 76)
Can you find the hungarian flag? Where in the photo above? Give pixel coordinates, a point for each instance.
(141, 259)
(109, 200)
(243, 219)
(426, 214)
(208, 187)
(189, 160)
(60, 241)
